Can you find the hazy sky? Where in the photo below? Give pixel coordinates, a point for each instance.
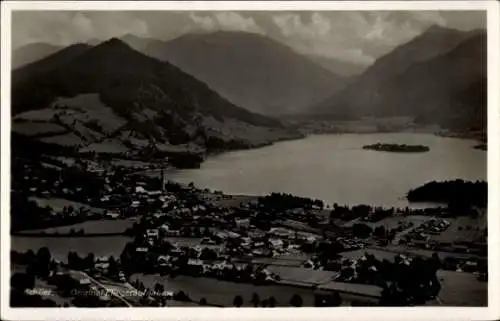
(356, 36)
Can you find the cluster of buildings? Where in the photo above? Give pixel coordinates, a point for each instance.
(424, 231)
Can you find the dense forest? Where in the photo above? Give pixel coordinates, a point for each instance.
(451, 192)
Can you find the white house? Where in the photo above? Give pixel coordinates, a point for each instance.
(276, 243)
(113, 214)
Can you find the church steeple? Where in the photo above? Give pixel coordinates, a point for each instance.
(163, 179)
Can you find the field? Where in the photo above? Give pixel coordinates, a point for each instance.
(87, 107)
(37, 128)
(106, 146)
(59, 203)
(48, 291)
(44, 114)
(190, 242)
(223, 292)
(234, 200)
(392, 221)
(68, 140)
(99, 226)
(297, 225)
(462, 289)
(276, 262)
(60, 246)
(426, 253)
(379, 254)
(302, 276)
(295, 256)
(353, 289)
(459, 230)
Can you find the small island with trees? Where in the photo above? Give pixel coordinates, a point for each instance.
(399, 148)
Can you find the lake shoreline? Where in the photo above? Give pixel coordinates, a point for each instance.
(228, 171)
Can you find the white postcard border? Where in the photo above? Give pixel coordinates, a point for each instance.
(343, 313)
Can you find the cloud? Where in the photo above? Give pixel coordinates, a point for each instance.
(137, 27)
(234, 21)
(83, 25)
(353, 35)
(291, 25)
(358, 36)
(331, 35)
(224, 20)
(68, 27)
(205, 23)
(429, 17)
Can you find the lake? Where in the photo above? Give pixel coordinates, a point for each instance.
(333, 168)
(336, 169)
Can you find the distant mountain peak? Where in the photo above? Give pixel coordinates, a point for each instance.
(155, 100)
(421, 79)
(114, 42)
(250, 69)
(32, 52)
(113, 46)
(435, 28)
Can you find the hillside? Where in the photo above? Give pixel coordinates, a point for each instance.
(47, 64)
(113, 97)
(32, 52)
(449, 89)
(416, 78)
(249, 70)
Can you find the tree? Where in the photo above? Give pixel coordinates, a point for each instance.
(29, 256)
(255, 299)
(113, 267)
(272, 302)
(159, 288)
(203, 301)
(336, 300)
(208, 254)
(43, 258)
(238, 301)
(181, 296)
(361, 230)
(89, 261)
(380, 231)
(21, 281)
(296, 301)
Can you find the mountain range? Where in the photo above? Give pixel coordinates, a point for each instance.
(250, 70)
(437, 77)
(32, 52)
(112, 95)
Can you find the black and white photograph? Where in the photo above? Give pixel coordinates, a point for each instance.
(246, 158)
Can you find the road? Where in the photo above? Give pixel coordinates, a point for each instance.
(82, 275)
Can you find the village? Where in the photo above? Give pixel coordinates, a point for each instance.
(275, 250)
